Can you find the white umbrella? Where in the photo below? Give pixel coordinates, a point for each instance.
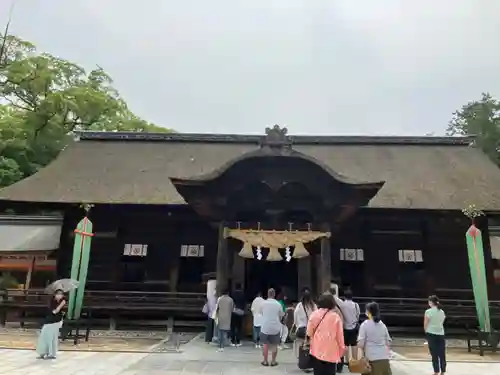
(66, 285)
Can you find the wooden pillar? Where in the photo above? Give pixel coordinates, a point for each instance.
(336, 266)
(222, 261)
(304, 273)
(369, 261)
(174, 273)
(29, 274)
(318, 285)
(238, 271)
(325, 265)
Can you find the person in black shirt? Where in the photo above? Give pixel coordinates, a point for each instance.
(238, 314)
(49, 336)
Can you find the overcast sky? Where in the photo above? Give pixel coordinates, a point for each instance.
(324, 67)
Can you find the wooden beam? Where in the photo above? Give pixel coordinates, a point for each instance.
(222, 261)
(29, 274)
(346, 213)
(325, 270)
(273, 225)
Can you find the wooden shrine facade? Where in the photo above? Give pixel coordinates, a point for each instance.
(275, 186)
(163, 205)
(379, 253)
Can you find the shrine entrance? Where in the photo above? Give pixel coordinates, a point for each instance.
(276, 201)
(261, 275)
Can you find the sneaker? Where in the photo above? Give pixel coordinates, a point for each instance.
(220, 350)
(257, 346)
(238, 345)
(233, 345)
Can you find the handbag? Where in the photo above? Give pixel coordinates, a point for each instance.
(359, 366)
(215, 313)
(306, 360)
(301, 332)
(238, 311)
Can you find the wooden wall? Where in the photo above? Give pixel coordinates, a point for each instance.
(163, 229)
(380, 233)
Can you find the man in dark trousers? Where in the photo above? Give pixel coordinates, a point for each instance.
(238, 314)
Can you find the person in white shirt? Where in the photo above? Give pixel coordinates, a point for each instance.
(301, 315)
(272, 314)
(256, 309)
(350, 315)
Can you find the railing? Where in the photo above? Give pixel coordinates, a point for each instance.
(144, 300)
(109, 298)
(399, 311)
(458, 312)
(32, 304)
(422, 302)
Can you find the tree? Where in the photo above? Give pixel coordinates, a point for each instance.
(7, 281)
(480, 118)
(46, 99)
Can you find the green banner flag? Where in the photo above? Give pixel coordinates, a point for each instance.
(478, 275)
(79, 266)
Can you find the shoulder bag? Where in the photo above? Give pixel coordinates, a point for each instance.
(305, 358)
(361, 365)
(301, 331)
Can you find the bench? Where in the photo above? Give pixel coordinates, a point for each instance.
(71, 329)
(487, 341)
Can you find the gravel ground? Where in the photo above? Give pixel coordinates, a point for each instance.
(96, 333)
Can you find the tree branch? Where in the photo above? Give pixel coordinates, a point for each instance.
(14, 104)
(3, 47)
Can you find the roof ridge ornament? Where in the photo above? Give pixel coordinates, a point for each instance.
(277, 137)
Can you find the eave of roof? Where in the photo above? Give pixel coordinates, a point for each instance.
(137, 168)
(256, 139)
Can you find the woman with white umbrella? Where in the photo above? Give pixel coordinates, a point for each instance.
(48, 342)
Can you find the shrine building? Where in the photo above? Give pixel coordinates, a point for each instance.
(381, 215)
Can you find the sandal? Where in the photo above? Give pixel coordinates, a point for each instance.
(273, 364)
(264, 363)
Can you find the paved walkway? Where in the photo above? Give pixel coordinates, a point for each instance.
(196, 358)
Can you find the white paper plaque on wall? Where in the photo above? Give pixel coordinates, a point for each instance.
(410, 256)
(352, 255)
(135, 250)
(196, 251)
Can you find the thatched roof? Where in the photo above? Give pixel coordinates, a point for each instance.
(420, 172)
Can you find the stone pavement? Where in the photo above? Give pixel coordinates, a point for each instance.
(196, 358)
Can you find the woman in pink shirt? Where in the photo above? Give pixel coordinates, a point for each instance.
(326, 335)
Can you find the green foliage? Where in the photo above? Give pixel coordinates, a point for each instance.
(481, 119)
(44, 99)
(7, 281)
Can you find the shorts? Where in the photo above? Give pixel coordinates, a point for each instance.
(270, 339)
(351, 337)
(381, 367)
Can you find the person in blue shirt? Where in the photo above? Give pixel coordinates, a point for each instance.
(434, 318)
